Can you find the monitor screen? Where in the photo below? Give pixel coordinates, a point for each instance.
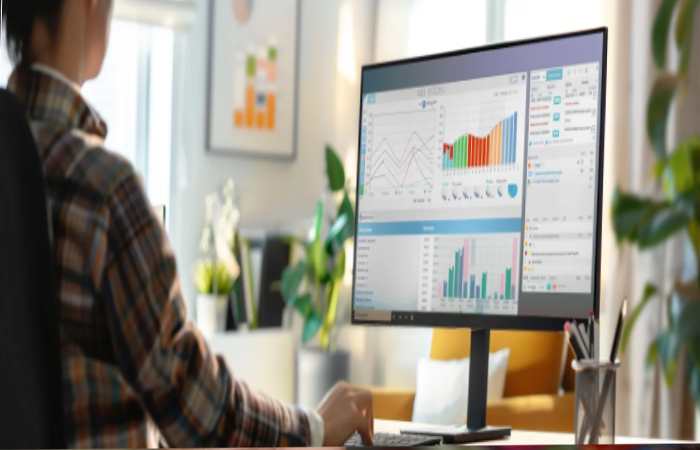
(479, 186)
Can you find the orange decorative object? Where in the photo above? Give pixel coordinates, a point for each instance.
(238, 118)
(260, 119)
(271, 105)
(249, 105)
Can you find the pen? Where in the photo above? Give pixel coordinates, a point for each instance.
(596, 424)
(618, 331)
(591, 334)
(577, 338)
(583, 332)
(578, 351)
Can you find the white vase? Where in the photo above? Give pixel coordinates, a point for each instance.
(317, 371)
(211, 313)
(263, 358)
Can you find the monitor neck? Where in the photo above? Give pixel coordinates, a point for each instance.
(478, 379)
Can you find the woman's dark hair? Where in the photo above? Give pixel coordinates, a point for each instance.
(18, 17)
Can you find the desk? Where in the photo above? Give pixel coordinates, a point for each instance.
(520, 437)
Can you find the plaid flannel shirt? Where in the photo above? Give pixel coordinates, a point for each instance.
(134, 369)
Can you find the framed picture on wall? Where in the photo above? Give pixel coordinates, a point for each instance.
(253, 77)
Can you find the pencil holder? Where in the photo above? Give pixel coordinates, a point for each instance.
(594, 417)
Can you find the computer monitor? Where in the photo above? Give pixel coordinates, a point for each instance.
(479, 190)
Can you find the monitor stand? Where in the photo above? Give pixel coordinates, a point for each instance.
(476, 428)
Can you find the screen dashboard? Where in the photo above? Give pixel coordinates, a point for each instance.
(478, 186)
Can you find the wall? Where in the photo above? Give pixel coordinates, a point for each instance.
(272, 194)
(277, 194)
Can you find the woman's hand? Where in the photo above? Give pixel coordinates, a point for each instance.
(346, 409)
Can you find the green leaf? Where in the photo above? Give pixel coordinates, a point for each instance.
(302, 303)
(312, 321)
(213, 278)
(312, 324)
(668, 352)
(628, 211)
(694, 381)
(203, 277)
(684, 33)
(334, 170)
(652, 353)
(694, 235)
(343, 228)
(664, 222)
(317, 226)
(347, 209)
(333, 303)
(337, 235)
(223, 281)
(292, 276)
(657, 112)
(315, 251)
(647, 295)
(329, 320)
(687, 320)
(660, 31)
(679, 171)
(339, 268)
(693, 347)
(644, 220)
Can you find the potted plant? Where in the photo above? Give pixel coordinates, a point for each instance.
(214, 284)
(217, 272)
(312, 287)
(650, 221)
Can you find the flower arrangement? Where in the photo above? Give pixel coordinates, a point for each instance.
(218, 270)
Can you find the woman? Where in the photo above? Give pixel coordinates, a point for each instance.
(134, 369)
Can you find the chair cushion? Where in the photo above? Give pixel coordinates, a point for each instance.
(530, 412)
(535, 360)
(534, 412)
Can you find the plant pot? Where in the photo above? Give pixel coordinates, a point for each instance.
(317, 372)
(211, 313)
(263, 358)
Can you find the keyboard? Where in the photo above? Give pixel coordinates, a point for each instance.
(395, 440)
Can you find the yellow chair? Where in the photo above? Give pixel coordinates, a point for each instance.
(533, 397)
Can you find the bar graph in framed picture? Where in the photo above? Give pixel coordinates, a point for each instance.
(253, 77)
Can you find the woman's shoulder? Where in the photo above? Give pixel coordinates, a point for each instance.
(82, 160)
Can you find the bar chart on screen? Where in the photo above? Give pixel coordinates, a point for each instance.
(484, 127)
(496, 149)
(481, 156)
(476, 273)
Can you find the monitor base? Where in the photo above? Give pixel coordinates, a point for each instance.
(460, 434)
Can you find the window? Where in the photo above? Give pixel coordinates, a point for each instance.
(5, 65)
(418, 27)
(524, 19)
(133, 93)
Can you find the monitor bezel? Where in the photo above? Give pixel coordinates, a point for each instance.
(492, 321)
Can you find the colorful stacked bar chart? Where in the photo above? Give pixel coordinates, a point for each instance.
(497, 148)
(255, 99)
(467, 280)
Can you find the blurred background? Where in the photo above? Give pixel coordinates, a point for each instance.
(156, 93)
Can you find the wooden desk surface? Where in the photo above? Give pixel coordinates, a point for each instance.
(520, 437)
